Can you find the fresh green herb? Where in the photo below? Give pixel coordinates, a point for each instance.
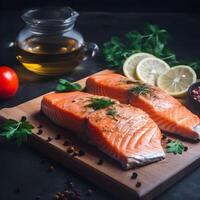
(175, 146)
(111, 111)
(140, 90)
(66, 86)
(97, 104)
(151, 40)
(18, 130)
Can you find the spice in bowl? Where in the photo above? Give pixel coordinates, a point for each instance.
(196, 94)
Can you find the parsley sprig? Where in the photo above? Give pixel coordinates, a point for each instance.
(140, 90)
(99, 103)
(18, 130)
(66, 86)
(111, 112)
(152, 40)
(176, 147)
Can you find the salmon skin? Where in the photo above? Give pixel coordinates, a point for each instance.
(126, 134)
(169, 114)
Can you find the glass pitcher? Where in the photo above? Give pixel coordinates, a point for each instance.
(49, 44)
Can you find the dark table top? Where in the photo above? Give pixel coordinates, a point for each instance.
(21, 167)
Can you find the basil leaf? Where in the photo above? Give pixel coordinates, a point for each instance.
(66, 86)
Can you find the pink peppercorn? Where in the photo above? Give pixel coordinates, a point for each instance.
(196, 94)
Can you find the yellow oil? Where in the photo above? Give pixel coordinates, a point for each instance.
(50, 55)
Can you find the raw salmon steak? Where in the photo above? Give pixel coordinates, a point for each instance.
(123, 132)
(169, 114)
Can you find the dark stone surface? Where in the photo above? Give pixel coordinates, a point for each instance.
(21, 167)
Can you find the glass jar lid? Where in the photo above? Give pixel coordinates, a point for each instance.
(50, 16)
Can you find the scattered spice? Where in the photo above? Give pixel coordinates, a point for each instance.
(164, 137)
(185, 148)
(70, 150)
(67, 143)
(49, 139)
(138, 184)
(81, 152)
(67, 195)
(134, 175)
(169, 140)
(100, 162)
(89, 192)
(51, 168)
(40, 126)
(23, 118)
(39, 132)
(58, 136)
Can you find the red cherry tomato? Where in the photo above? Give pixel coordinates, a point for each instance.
(9, 82)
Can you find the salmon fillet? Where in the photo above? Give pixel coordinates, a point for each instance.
(130, 136)
(169, 114)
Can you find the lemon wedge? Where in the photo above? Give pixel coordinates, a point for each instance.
(177, 80)
(149, 69)
(131, 63)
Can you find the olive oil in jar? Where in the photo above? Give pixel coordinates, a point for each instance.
(50, 55)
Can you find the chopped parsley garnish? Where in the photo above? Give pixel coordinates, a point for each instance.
(66, 86)
(140, 90)
(111, 111)
(19, 130)
(176, 147)
(97, 103)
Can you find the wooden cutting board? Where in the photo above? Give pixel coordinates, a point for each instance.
(155, 178)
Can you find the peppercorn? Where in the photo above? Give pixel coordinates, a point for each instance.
(100, 162)
(39, 132)
(134, 175)
(23, 118)
(40, 126)
(49, 139)
(138, 184)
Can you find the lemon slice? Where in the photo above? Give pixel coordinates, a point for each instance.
(149, 69)
(131, 63)
(177, 80)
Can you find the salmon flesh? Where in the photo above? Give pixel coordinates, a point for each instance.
(123, 132)
(169, 114)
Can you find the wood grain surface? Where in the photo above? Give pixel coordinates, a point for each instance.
(155, 178)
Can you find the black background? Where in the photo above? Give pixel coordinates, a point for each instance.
(109, 5)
